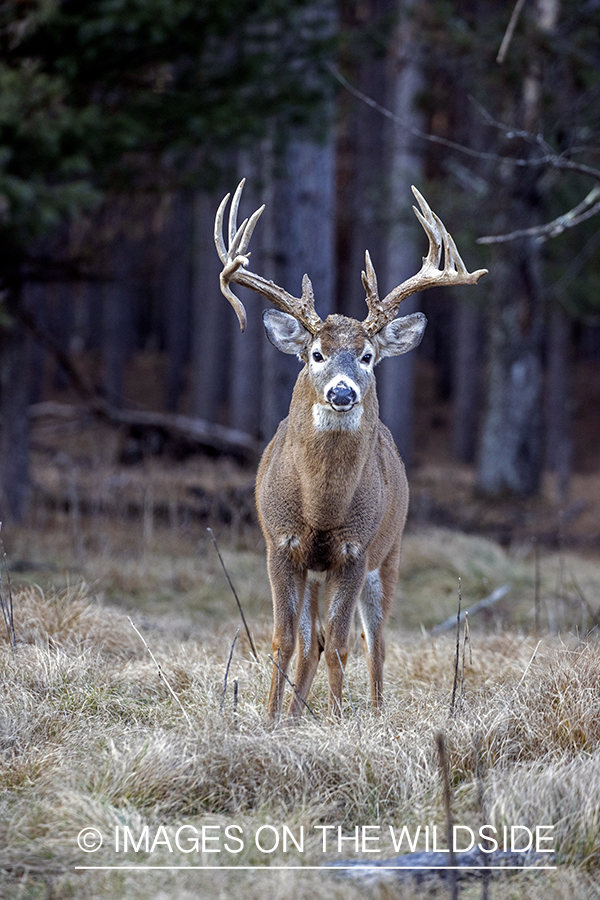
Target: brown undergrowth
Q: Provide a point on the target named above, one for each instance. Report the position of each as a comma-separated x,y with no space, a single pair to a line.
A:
90,736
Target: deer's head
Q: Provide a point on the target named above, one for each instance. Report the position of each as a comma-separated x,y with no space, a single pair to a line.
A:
340,353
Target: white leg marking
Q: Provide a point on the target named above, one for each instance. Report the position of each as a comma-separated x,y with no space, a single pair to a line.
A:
289,542
334,607
350,551
305,623
312,575
370,606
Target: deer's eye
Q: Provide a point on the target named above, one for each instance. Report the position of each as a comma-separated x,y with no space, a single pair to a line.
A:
366,359
318,357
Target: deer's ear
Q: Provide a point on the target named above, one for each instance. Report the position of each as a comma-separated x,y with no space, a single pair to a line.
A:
285,332
400,335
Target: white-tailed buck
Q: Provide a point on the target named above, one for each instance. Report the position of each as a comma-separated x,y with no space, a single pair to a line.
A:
331,490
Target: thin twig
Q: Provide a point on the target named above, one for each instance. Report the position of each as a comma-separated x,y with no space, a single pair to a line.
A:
227,672
584,210
560,575
537,586
445,772
595,615
493,598
457,647
349,694
6,599
235,704
588,207
416,132
469,638
555,160
480,775
296,691
466,640
237,599
529,664
161,674
509,31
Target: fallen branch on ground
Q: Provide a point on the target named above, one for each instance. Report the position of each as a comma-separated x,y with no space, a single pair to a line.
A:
481,604
196,431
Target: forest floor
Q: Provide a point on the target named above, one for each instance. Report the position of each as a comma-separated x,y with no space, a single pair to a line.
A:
93,735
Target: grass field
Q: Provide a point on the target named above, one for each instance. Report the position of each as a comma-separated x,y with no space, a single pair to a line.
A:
93,736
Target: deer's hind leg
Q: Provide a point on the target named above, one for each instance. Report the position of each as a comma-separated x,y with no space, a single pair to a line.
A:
309,648
374,607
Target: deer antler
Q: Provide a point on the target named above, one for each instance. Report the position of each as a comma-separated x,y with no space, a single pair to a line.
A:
235,261
381,312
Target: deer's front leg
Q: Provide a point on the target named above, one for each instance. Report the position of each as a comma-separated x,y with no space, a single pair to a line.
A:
342,594
287,589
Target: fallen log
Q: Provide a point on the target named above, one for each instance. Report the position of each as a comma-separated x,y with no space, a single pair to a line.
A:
450,622
435,866
195,431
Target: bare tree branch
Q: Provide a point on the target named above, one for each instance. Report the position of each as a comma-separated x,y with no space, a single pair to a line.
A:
509,31
416,132
588,207
549,158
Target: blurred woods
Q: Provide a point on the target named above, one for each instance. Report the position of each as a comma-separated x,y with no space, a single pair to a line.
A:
124,122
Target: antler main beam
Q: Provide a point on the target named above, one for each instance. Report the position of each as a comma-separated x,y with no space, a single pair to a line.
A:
454,272
235,259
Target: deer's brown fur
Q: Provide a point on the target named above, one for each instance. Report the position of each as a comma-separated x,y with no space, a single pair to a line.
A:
331,489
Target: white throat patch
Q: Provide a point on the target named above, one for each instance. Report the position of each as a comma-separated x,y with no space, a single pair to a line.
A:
327,419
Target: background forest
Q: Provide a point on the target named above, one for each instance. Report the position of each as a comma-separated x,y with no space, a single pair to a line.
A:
124,122
133,413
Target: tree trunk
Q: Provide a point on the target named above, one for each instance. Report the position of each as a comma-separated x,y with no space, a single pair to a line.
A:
378,164
511,457
61,324
402,256
466,383
245,388
14,424
212,317
361,184
35,301
176,299
300,232
559,448
116,317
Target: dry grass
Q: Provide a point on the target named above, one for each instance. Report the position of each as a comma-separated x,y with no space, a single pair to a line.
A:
90,735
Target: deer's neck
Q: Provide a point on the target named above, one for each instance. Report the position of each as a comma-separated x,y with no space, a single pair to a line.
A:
329,452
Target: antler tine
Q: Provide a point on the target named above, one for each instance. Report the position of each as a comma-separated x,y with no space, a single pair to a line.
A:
219,242
235,205
235,259
454,272
249,229
369,280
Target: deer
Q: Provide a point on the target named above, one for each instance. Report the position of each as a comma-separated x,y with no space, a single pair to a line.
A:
331,488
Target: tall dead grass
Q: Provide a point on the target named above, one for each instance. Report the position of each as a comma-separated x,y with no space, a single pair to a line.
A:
90,735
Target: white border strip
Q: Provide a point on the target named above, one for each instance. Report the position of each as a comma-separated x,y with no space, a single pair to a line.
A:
334,868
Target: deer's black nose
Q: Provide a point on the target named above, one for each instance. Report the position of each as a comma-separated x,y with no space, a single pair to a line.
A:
342,396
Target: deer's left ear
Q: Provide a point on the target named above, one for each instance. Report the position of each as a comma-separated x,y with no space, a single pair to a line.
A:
285,332
400,335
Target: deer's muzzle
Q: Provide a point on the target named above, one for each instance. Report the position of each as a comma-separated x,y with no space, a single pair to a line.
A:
341,396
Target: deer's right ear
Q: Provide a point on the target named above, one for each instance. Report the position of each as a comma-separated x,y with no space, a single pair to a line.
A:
285,332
